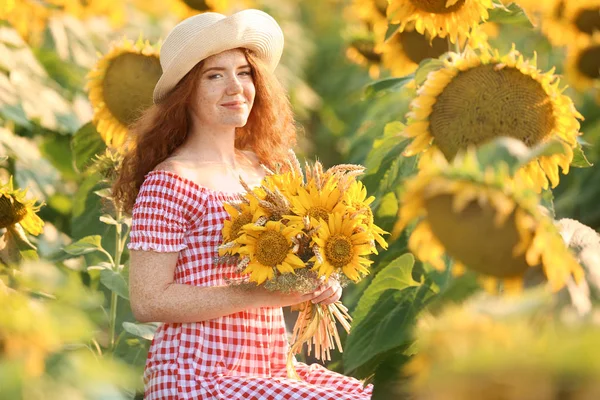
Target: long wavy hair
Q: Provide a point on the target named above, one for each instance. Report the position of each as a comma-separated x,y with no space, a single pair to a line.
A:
270,130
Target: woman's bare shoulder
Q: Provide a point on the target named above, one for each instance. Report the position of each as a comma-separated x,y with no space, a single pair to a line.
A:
206,175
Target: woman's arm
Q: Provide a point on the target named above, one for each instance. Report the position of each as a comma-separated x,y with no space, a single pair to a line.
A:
154,297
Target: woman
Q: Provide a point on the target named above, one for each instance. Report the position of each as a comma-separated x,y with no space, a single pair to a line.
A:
219,113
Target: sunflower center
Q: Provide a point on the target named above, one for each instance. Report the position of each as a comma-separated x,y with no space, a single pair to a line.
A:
128,85
271,248
437,6
199,5
317,212
11,211
338,250
588,21
481,104
472,238
366,48
242,219
589,62
417,47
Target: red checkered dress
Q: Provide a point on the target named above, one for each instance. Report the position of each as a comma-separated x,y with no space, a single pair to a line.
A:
238,356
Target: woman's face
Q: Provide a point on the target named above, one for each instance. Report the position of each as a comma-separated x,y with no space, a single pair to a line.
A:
225,92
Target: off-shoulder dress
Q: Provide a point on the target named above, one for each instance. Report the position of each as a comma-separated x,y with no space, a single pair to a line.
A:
237,356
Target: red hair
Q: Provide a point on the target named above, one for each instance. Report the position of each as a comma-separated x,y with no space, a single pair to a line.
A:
270,131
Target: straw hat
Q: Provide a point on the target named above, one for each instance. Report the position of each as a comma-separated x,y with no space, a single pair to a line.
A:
207,34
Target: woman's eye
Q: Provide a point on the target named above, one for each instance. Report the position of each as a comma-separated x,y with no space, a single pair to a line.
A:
245,73
213,76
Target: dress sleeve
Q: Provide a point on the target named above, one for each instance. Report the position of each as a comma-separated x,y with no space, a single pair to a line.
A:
159,218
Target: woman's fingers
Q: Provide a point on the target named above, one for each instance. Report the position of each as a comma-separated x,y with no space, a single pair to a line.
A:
333,298
328,294
322,294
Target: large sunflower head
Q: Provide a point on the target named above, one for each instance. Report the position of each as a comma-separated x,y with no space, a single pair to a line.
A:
479,96
403,52
269,249
485,221
339,246
583,64
16,209
120,87
443,18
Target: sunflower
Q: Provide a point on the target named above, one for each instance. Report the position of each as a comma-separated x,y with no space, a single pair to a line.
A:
485,350
583,64
373,13
269,249
240,215
287,183
403,52
485,221
30,17
443,18
314,203
478,96
356,198
340,245
570,22
15,209
120,87
27,332
361,51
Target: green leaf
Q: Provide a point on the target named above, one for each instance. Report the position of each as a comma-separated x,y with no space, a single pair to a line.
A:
388,326
104,193
393,128
547,200
512,14
115,282
144,331
100,266
16,247
56,148
396,275
86,143
455,291
386,85
425,67
108,219
15,113
579,158
391,31
514,153
85,245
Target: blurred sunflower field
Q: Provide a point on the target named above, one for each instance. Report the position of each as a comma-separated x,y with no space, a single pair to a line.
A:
478,122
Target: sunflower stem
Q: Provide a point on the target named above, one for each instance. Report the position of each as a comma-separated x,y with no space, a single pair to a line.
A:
114,297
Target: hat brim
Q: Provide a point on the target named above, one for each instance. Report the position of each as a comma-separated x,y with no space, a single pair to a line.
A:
251,29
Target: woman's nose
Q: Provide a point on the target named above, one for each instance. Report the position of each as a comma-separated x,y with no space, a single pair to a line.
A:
234,86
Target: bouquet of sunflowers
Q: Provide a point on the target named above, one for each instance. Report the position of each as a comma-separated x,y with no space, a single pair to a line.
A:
298,229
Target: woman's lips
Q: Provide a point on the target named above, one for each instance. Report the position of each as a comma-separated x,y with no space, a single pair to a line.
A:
233,106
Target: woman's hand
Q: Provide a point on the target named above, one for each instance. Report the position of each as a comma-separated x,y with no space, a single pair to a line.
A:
328,293
262,297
